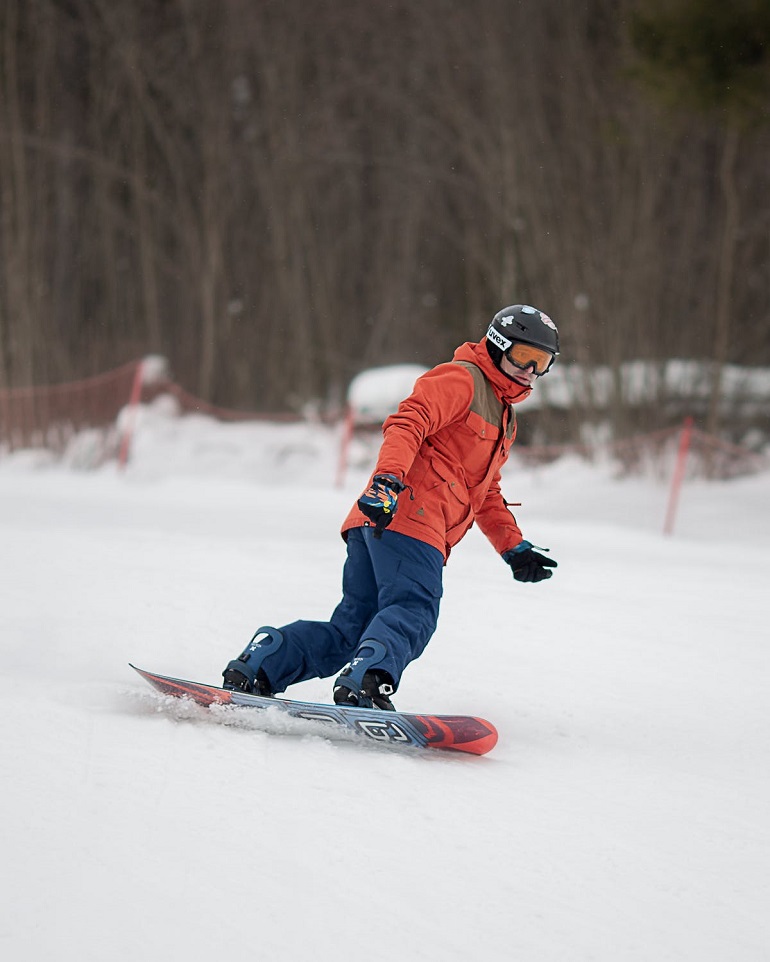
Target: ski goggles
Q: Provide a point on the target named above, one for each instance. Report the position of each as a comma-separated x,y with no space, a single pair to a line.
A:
527,355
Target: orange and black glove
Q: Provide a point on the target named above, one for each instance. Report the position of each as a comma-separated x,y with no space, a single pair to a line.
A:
380,501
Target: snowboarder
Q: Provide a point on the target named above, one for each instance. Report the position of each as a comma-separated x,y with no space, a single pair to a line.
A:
437,472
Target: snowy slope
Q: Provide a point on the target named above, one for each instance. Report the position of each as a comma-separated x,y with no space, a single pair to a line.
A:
622,817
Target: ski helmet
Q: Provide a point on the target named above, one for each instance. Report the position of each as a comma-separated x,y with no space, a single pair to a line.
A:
523,324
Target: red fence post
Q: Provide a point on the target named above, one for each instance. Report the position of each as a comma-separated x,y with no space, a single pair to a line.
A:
685,438
130,416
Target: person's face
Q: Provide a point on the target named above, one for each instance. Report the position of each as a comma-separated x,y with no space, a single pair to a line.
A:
524,376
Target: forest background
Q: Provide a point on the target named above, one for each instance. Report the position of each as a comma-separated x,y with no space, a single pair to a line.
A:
278,194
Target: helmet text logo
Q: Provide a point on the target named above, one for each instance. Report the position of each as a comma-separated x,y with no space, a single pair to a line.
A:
497,338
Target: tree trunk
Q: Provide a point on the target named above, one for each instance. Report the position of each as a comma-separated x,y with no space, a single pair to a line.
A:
725,271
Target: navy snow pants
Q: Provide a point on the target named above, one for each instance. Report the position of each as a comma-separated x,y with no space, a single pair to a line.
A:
391,590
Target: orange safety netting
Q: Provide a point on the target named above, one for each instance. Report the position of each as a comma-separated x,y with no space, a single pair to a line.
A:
49,416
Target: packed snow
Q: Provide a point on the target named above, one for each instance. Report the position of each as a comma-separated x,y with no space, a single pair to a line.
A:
623,816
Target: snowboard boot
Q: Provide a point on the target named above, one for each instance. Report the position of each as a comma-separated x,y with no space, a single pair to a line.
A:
235,680
376,687
361,686
246,673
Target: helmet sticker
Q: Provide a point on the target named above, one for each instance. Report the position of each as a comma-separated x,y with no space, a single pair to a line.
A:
547,321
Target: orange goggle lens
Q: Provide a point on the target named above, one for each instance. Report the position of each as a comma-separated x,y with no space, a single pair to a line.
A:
527,355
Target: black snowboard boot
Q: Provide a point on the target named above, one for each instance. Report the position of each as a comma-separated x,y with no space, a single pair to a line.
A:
376,689
235,680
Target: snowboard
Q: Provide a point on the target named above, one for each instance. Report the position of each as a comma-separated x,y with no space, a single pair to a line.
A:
457,733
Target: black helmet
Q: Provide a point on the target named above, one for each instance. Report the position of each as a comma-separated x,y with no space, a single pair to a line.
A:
524,324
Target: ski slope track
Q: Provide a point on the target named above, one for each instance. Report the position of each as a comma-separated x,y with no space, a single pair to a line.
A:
624,815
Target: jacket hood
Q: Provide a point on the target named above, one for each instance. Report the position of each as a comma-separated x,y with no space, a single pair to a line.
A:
476,353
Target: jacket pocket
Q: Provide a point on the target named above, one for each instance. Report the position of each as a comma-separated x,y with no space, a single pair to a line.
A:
453,500
481,428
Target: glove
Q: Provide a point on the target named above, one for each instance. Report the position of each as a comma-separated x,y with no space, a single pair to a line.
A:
528,565
380,501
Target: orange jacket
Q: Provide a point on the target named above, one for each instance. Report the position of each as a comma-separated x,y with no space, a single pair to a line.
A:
448,441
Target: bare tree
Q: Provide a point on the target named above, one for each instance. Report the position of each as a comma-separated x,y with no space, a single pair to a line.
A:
277,194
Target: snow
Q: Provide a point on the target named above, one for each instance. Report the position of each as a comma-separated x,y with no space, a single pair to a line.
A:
745,389
623,816
375,393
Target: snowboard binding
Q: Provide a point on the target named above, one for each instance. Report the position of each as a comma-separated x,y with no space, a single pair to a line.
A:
362,686
245,673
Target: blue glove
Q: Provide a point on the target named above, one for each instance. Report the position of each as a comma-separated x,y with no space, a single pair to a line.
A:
528,565
380,501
